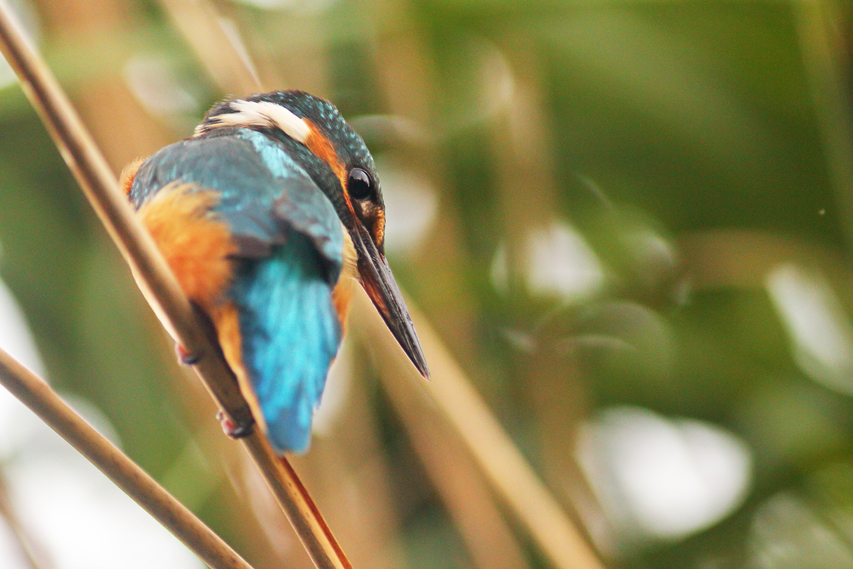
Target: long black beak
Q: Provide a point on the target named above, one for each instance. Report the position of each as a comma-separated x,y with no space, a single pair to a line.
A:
379,283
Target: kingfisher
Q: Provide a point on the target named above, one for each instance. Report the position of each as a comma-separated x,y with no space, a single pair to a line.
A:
266,215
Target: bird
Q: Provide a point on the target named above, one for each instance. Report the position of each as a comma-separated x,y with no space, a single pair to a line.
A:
266,215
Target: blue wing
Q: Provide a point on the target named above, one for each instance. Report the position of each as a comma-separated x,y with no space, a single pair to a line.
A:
290,332
290,245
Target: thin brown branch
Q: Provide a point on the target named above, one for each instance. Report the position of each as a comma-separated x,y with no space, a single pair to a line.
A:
158,283
297,504
36,394
502,464
99,184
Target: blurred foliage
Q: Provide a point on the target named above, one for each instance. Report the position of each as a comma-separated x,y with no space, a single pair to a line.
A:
694,147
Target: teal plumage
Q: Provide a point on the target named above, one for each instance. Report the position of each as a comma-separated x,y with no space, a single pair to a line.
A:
278,194
290,333
290,253
267,189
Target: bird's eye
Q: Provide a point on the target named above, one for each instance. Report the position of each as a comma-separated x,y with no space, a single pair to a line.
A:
359,185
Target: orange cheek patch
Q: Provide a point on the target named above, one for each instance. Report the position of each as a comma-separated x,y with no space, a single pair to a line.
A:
196,246
379,228
322,147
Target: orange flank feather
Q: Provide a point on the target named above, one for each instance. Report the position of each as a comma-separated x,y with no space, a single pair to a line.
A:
196,245
128,174
227,322
199,249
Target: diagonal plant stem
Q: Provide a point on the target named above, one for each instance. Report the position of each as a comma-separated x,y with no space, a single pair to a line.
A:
36,394
159,285
455,477
501,463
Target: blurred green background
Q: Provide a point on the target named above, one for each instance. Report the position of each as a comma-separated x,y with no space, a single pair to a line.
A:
629,222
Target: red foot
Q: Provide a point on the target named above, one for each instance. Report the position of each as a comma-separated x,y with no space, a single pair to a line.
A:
185,357
234,430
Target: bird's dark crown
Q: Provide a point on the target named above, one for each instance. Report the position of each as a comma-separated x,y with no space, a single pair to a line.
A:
315,134
321,113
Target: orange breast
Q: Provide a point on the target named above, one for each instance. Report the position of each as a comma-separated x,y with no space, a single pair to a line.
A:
342,293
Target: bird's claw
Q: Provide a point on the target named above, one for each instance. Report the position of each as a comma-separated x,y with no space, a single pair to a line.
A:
235,430
185,357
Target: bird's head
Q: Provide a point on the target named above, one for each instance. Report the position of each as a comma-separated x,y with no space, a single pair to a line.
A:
316,136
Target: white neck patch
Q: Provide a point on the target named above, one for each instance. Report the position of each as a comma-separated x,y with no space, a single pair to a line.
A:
260,113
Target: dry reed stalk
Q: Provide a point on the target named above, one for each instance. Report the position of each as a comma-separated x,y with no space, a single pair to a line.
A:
36,394
500,461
